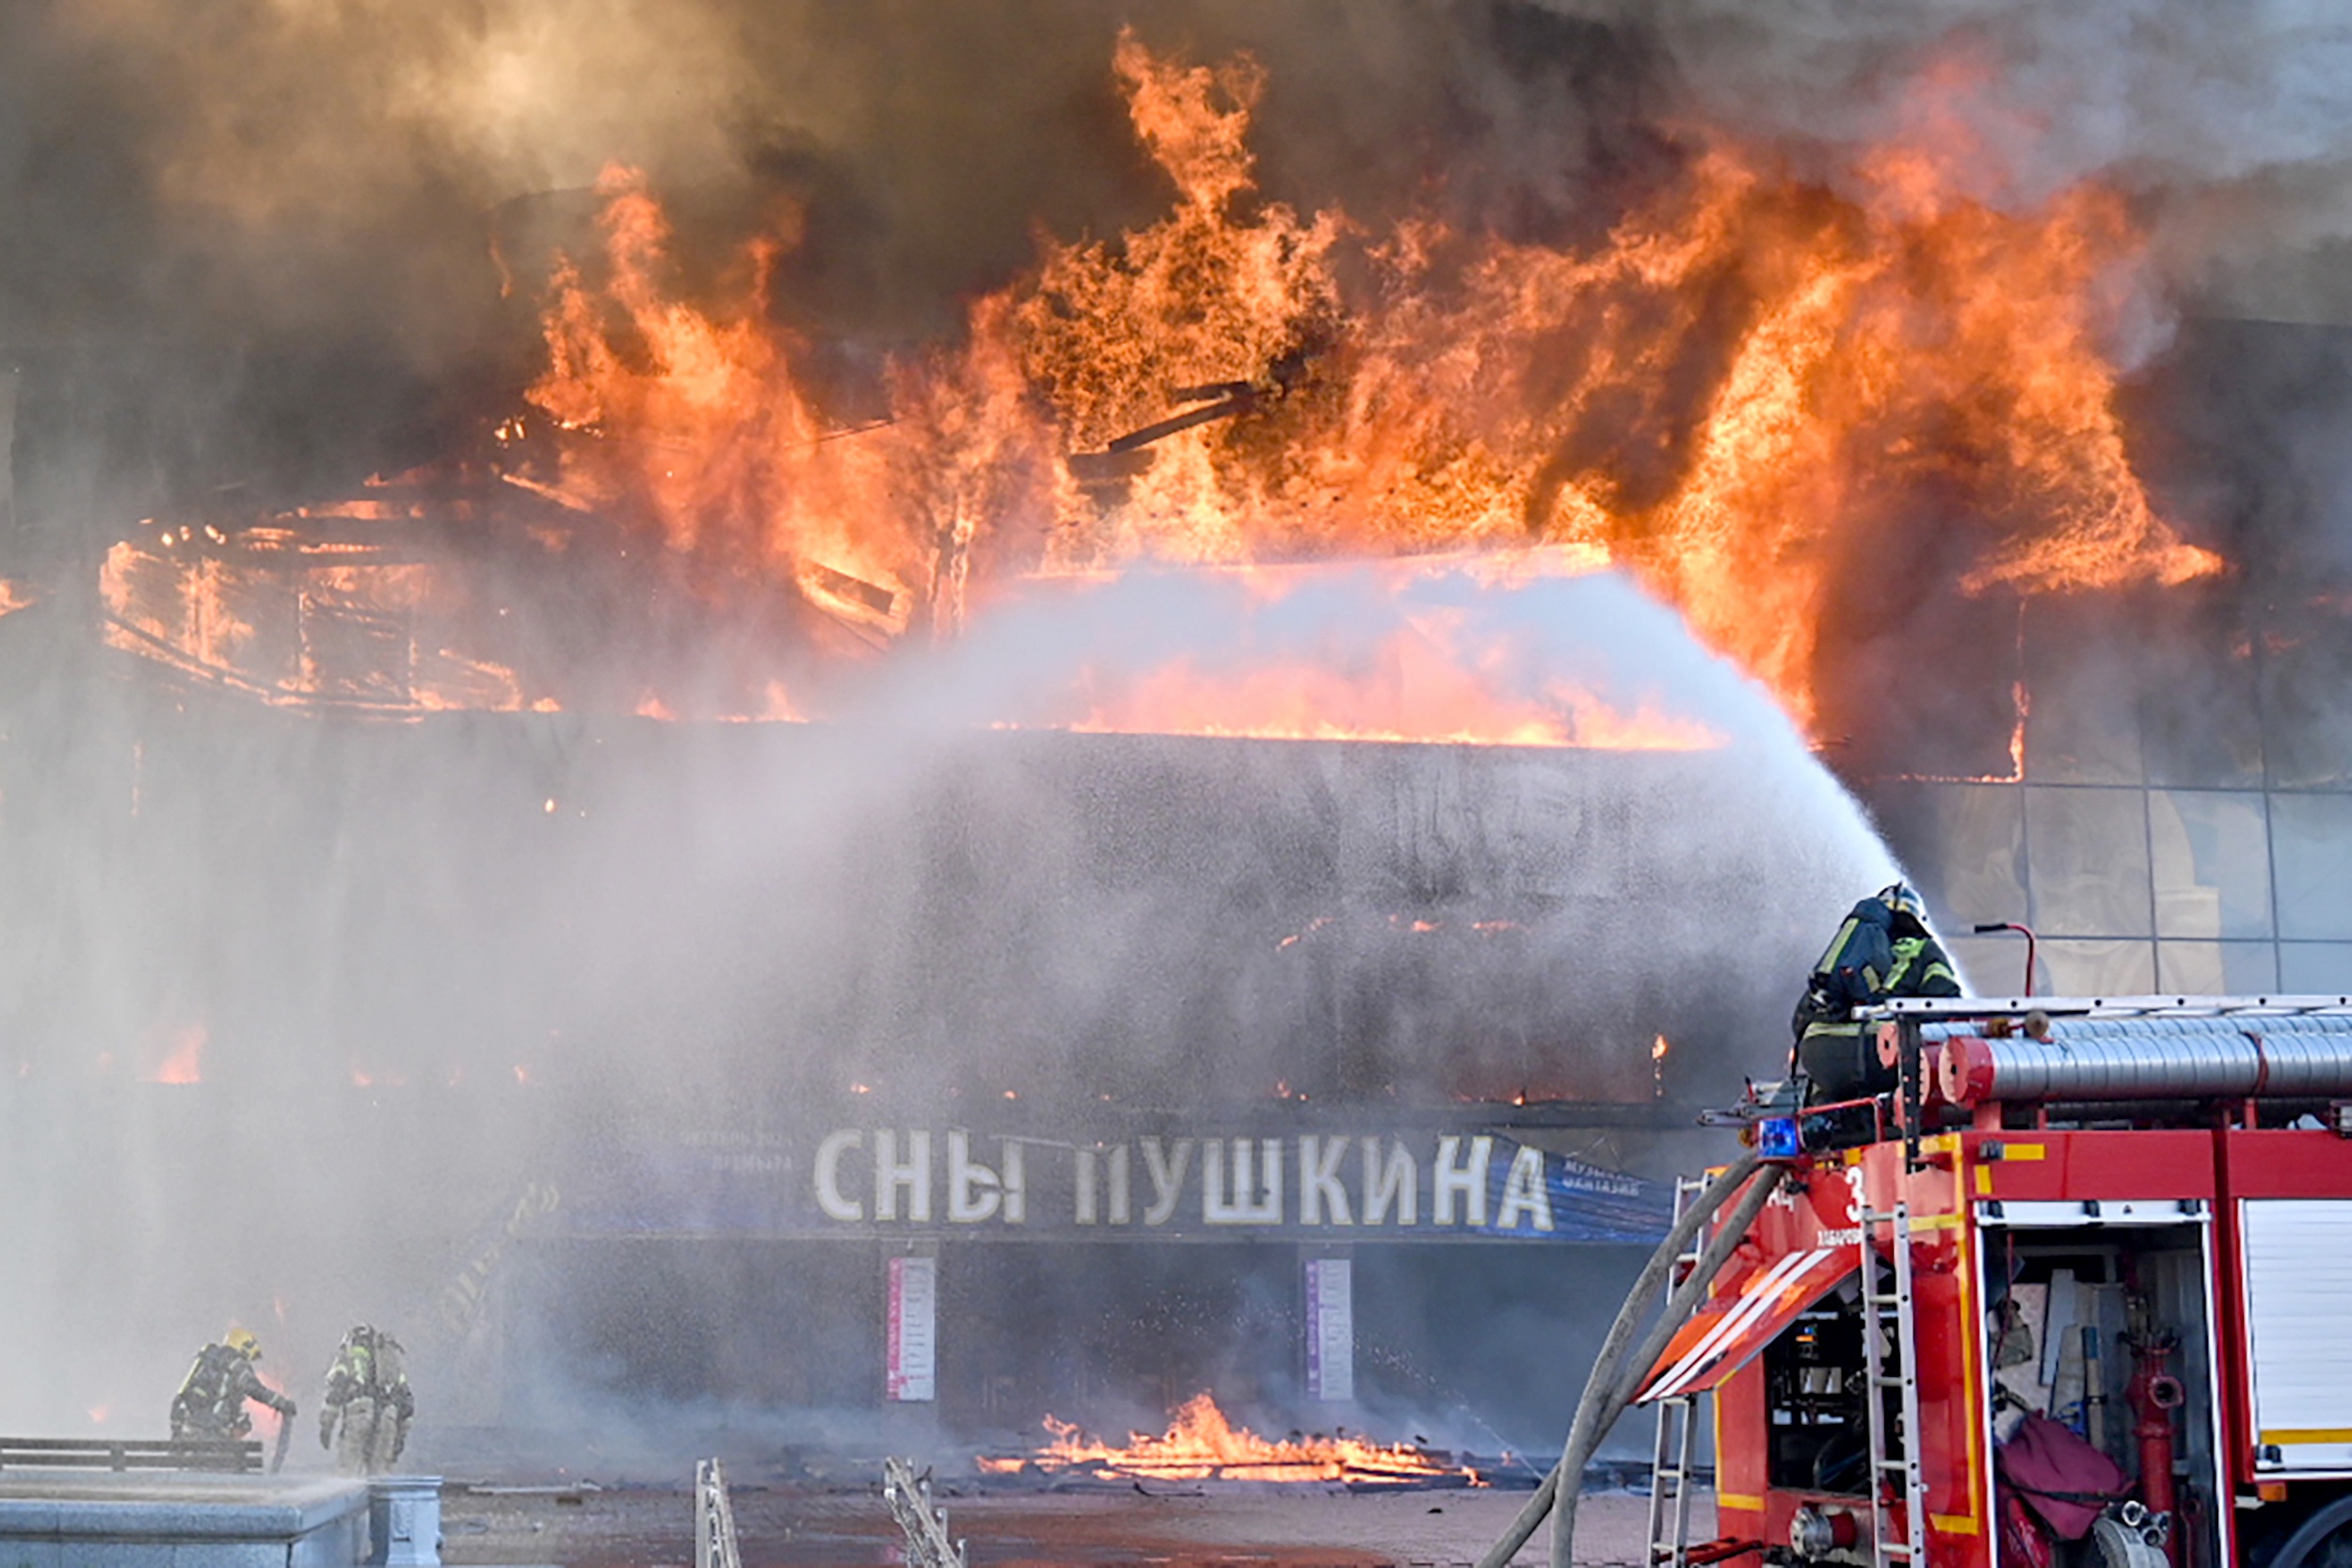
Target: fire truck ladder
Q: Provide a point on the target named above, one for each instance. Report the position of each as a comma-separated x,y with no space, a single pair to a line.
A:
1877,1308
1677,1421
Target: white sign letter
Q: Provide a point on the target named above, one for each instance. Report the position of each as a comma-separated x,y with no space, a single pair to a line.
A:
1016,1181
1167,1177
972,1195
828,1173
1398,1182
1448,1181
914,1176
1318,1181
1524,1192
1242,1208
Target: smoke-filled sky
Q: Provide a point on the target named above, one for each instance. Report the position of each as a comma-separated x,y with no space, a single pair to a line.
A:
262,225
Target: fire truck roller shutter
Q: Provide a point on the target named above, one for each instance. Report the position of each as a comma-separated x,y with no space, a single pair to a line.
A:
2148,1058
1730,1331
2298,1276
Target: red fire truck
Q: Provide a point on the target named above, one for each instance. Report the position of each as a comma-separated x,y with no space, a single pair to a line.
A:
2077,1292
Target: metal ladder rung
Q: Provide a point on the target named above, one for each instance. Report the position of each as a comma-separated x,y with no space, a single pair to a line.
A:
1677,1422
1879,1336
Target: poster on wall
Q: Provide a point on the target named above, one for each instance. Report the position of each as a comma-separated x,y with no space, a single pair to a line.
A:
1330,1330
911,1356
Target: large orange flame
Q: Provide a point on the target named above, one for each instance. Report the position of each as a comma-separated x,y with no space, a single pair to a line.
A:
1730,394
1744,393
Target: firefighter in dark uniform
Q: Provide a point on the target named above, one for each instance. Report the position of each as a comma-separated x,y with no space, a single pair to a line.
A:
368,1398
1882,949
210,1403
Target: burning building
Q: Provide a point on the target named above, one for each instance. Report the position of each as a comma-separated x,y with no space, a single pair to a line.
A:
1288,720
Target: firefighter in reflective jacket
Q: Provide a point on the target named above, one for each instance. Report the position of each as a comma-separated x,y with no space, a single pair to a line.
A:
367,1396
210,1403
1882,949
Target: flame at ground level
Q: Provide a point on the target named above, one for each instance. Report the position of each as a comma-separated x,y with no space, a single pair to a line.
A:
1202,1444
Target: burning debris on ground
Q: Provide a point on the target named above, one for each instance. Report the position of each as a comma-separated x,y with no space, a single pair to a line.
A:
1202,1445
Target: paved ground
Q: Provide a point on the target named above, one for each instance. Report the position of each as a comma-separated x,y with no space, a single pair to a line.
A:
809,1529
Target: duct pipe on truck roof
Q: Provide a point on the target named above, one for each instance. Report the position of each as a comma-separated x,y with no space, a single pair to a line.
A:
2241,1057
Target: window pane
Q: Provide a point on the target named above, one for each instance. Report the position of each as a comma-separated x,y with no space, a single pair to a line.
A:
2200,714
2086,857
1961,844
2218,969
2212,862
2081,968
1990,965
2315,968
2311,855
2306,700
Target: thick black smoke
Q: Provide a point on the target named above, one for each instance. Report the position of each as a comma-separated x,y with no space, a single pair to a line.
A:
251,236
250,242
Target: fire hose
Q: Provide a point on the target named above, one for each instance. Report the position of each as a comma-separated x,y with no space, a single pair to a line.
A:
1617,1376
2154,1395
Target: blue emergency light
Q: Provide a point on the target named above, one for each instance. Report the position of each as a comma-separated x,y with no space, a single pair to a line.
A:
1777,1138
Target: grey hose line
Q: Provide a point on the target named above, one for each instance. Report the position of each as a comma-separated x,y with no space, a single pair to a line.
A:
1692,1293
1603,1376
1688,1295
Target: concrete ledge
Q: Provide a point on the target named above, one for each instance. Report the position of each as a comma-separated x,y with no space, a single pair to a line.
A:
181,1521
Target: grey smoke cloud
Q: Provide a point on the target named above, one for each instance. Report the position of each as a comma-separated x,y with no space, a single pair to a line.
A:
2151,89
2231,122
246,160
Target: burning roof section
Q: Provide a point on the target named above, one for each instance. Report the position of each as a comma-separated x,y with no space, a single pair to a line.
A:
1747,394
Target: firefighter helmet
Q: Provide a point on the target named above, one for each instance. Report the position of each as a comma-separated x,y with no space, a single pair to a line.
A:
1900,899
242,1341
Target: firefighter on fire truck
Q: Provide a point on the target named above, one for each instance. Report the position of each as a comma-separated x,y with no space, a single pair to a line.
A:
1884,949
211,1400
2069,1291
